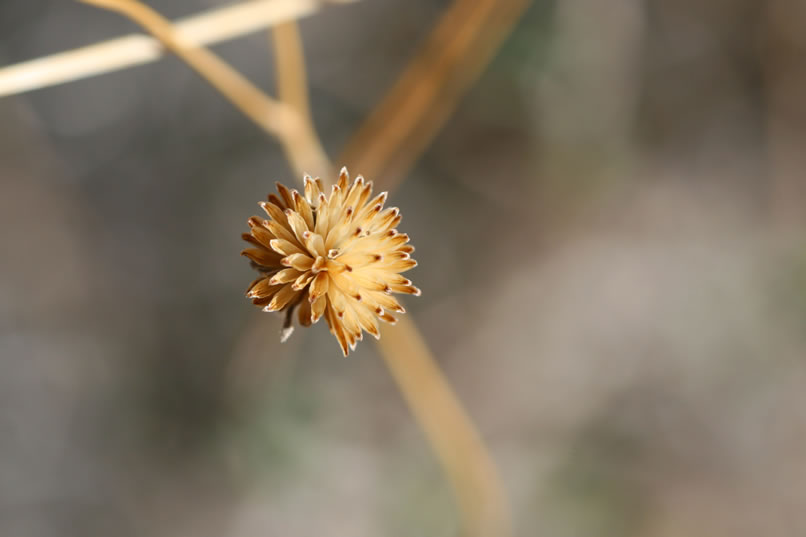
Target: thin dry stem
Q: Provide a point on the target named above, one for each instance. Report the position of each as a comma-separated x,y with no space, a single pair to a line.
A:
300,144
425,95
452,435
207,28
289,58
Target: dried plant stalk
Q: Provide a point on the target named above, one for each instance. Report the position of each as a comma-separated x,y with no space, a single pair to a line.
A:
207,28
289,58
425,95
303,149
452,435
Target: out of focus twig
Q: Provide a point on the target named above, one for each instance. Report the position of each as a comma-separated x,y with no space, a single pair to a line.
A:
452,435
784,86
301,146
289,58
206,28
425,95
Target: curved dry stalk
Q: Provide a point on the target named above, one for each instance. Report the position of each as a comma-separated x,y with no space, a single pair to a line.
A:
450,432
289,58
301,146
414,110
206,28
453,437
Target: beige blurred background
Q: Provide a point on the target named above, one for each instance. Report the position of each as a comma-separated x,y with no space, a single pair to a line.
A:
610,230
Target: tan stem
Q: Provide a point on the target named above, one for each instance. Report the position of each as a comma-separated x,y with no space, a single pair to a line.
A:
302,148
453,437
289,59
207,28
413,111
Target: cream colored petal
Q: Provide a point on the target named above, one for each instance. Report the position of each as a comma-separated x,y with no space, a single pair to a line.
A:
360,259
304,209
393,239
386,317
366,280
365,195
277,201
284,276
365,217
367,320
263,236
262,256
337,329
386,220
401,265
283,297
311,191
282,232
253,284
285,194
322,216
274,212
262,288
384,300
354,193
346,284
351,325
344,179
335,206
297,224
284,247
319,286
318,308
301,262
319,264
248,237
303,281
314,243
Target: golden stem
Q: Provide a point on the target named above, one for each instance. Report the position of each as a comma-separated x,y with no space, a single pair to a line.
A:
413,111
213,26
289,58
453,437
300,144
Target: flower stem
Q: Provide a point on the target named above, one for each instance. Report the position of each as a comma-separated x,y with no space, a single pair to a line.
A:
449,430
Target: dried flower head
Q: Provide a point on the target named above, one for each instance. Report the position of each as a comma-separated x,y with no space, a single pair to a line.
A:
336,256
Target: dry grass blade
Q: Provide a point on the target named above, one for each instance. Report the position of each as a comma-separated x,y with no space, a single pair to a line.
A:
425,95
206,28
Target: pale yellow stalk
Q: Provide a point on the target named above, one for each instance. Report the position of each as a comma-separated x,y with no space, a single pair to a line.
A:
213,26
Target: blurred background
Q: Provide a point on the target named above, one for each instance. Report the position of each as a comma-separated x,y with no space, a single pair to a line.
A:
610,230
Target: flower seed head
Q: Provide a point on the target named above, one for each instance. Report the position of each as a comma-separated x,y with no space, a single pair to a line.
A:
335,256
